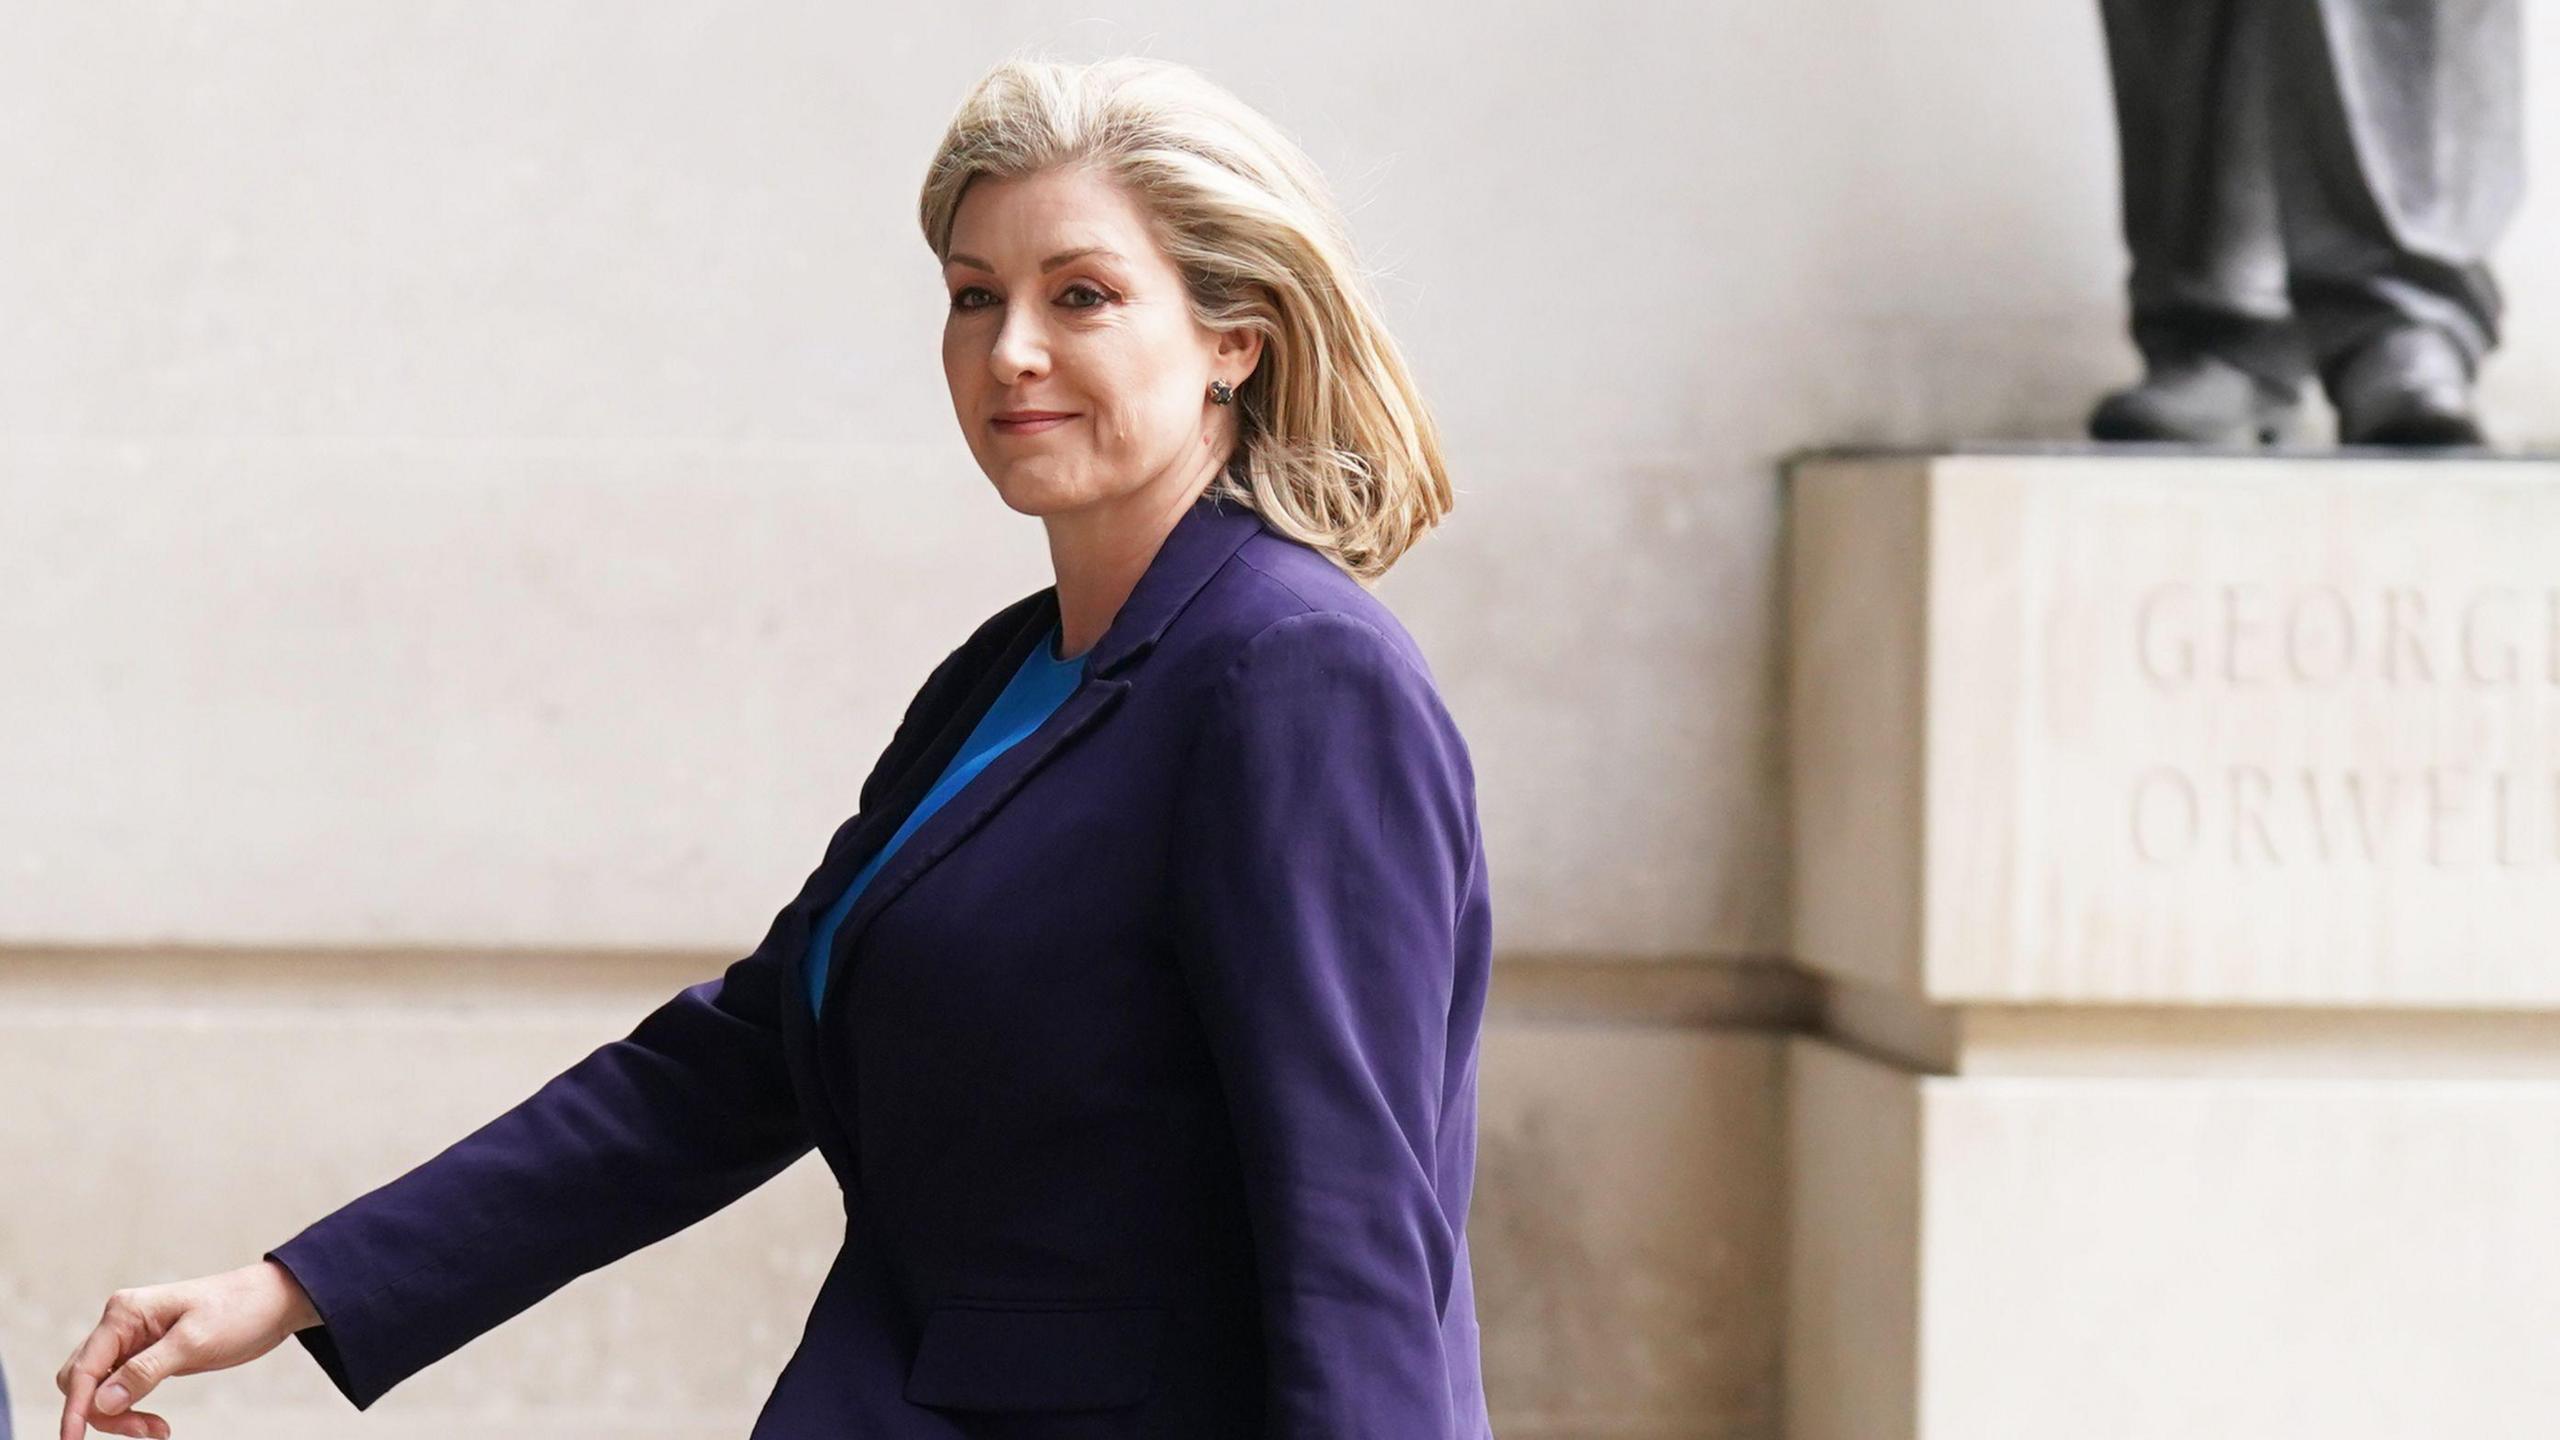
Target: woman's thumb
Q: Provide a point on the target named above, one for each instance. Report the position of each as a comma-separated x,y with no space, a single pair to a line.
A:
134,1378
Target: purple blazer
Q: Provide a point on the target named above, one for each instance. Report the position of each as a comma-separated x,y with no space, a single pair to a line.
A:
1147,1065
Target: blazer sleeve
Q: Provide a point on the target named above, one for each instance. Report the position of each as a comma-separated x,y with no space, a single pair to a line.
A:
645,1136
1325,831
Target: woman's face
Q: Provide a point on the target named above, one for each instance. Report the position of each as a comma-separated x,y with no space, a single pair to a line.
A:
1061,302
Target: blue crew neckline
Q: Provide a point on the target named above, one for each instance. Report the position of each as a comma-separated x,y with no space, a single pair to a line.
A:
1040,684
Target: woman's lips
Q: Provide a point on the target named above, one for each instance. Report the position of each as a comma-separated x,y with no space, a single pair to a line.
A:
1031,427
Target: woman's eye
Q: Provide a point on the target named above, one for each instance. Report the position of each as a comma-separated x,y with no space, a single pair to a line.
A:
960,298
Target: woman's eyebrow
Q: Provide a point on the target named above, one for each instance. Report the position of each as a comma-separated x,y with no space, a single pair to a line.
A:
1052,263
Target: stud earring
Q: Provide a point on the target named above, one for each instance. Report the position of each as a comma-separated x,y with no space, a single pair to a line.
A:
1221,393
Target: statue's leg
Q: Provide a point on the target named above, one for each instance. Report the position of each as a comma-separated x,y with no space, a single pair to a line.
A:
2399,137
2198,195
2222,358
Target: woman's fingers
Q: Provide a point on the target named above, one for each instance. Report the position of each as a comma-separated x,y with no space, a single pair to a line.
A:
140,1424
80,1374
136,1377
99,1391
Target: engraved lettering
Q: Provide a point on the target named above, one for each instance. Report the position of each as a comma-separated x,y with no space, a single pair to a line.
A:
2356,807
2506,655
2175,667
2185,823
2354,778
2240,633
2440,810
2347,817
2250,789
2298,651
2318,636
2502,805
2404,617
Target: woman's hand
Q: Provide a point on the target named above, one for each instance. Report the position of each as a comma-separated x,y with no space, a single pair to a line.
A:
156,1331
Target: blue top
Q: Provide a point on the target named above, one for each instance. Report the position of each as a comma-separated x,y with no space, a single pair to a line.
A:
1038,687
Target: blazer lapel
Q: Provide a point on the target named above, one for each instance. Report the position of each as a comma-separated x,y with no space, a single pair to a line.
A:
1199,543
946,724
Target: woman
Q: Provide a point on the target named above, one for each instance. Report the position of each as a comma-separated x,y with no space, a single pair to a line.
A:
1136,1008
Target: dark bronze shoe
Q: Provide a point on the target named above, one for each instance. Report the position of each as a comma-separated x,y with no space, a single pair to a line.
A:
2409,385
2199,399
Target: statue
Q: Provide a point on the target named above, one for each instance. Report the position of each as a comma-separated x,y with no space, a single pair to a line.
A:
2312,187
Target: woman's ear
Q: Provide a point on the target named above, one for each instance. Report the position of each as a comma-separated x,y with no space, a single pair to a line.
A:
1239,353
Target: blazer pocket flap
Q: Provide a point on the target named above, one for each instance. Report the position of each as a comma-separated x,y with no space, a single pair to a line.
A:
1000,1356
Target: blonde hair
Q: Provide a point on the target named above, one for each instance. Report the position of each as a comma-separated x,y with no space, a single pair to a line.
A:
1334,446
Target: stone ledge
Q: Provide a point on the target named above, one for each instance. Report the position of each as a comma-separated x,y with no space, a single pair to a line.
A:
42,986
38,982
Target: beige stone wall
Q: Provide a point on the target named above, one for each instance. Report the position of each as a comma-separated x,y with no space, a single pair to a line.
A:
523,440
178,1113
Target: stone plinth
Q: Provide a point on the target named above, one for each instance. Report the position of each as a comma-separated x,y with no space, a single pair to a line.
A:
2177,837
2178,729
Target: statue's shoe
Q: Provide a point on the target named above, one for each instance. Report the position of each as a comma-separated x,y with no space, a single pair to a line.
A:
2409,385
2200,399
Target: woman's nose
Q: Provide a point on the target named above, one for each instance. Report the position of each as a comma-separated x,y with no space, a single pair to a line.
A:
1021,347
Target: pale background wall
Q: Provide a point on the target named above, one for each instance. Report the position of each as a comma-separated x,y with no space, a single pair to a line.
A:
420,390
477,479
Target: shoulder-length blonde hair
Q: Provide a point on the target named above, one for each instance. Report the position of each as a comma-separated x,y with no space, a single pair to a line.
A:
1335,447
